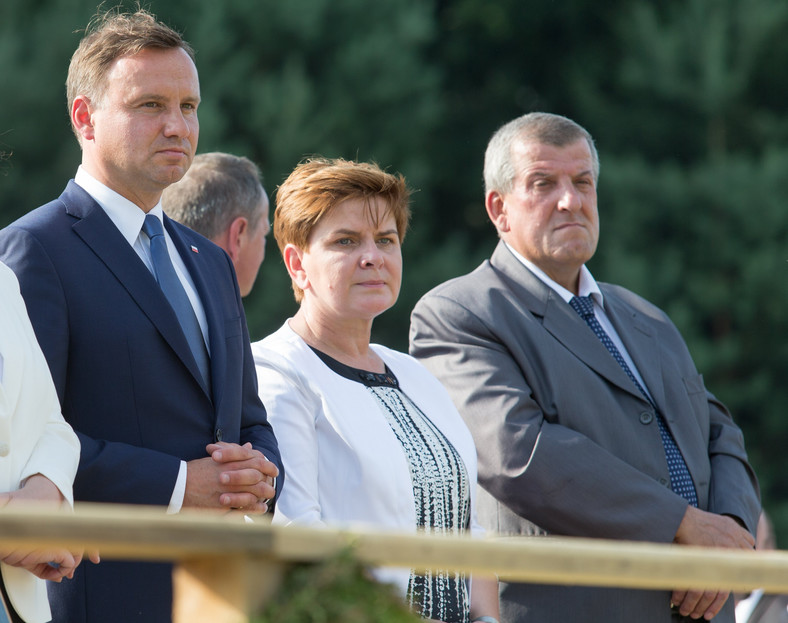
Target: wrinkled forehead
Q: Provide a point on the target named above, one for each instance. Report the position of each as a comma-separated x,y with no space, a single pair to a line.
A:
529,154
166,66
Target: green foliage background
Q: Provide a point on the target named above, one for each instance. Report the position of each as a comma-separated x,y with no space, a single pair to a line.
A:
686,99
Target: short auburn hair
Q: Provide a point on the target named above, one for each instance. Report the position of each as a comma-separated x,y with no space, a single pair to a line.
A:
318,184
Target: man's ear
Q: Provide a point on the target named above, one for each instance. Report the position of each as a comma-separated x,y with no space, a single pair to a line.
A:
497,210
236,233
293,258
82,118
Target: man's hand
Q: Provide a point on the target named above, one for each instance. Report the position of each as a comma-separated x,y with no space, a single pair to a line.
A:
707,530
232,477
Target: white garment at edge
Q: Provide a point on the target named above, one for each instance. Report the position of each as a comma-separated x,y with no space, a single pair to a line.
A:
34,437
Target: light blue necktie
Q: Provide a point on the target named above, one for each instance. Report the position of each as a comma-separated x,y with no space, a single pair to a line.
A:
173,290
680,479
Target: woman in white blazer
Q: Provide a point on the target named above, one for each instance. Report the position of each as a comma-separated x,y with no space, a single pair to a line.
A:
368,436
39,454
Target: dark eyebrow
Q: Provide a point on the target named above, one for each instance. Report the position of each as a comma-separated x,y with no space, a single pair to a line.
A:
155,97
151,96
350,232
540,173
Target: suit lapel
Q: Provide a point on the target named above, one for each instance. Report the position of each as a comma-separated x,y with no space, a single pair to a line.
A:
98,232
193,259
641,344
560,320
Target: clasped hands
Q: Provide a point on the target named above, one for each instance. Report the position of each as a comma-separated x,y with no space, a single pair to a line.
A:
232,478
706,529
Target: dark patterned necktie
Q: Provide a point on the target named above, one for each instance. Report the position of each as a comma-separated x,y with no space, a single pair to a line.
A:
680,479
173,290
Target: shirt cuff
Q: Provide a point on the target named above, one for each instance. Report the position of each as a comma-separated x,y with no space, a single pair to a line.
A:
178,493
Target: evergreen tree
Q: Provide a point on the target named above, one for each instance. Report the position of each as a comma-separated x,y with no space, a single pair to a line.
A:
690,202
685,98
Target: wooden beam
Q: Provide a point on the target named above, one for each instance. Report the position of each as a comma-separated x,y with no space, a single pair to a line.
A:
139,533
225,589
552,560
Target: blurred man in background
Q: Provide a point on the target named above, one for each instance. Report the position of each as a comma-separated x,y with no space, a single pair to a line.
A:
221,197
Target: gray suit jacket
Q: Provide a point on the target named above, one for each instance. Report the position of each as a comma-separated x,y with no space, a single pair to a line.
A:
567,445
764,608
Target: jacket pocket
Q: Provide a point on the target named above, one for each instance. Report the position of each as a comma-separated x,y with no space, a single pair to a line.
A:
232,327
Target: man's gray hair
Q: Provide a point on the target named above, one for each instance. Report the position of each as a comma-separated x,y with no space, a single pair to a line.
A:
217,189
546,128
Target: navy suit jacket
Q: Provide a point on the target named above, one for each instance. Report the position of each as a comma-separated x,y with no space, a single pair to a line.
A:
126,379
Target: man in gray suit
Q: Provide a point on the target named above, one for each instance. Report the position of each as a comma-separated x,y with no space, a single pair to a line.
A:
760,607
589,415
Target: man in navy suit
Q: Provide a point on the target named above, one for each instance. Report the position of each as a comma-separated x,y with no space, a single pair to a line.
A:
166,409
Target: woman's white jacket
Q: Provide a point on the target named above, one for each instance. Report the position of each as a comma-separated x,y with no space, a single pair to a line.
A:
34,437
343,464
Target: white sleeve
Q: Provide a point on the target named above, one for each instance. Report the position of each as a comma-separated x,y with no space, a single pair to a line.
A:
55,453
292,409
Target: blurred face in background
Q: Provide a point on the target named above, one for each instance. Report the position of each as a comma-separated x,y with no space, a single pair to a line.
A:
251,249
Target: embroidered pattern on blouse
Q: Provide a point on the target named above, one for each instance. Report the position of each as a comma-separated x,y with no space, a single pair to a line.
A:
442,499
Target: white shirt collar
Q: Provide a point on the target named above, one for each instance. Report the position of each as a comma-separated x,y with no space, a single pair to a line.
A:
127,216
587,285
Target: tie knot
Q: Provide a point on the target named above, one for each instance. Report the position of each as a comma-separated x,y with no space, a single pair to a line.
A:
583,305
152,226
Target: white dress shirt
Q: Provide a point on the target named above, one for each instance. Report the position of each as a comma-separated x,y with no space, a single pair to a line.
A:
587,286
128,217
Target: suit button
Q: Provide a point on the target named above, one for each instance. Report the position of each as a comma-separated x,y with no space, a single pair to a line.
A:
4,449
664,482
646,417
218,435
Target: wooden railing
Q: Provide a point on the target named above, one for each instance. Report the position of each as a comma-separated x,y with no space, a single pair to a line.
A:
226,568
